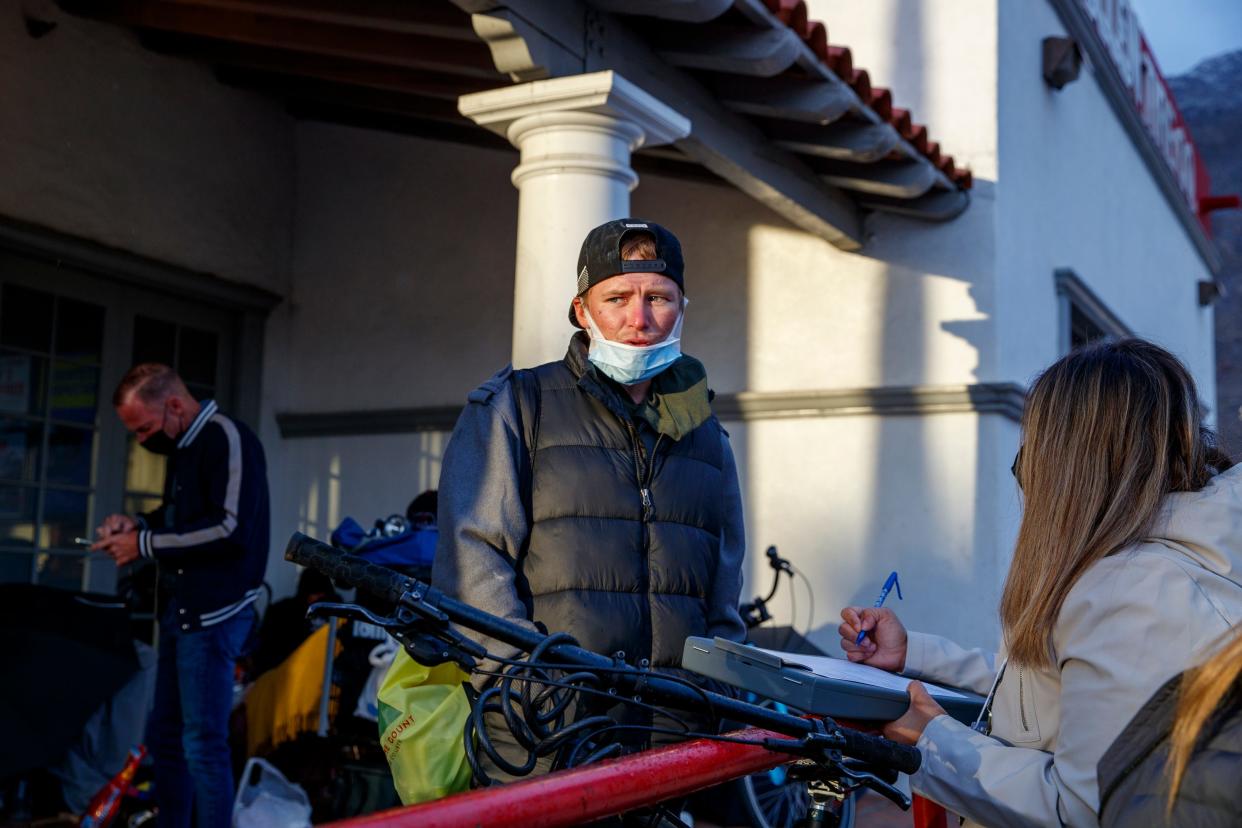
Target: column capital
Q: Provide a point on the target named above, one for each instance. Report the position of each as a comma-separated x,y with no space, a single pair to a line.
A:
599,93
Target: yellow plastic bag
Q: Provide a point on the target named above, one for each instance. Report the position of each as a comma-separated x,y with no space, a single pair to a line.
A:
422,712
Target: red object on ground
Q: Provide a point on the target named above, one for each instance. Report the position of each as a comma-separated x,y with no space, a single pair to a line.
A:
105,805
615,786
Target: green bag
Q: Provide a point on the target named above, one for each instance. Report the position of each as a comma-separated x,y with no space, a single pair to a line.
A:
422,713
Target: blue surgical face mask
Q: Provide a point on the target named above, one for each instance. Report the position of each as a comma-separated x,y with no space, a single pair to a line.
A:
632,364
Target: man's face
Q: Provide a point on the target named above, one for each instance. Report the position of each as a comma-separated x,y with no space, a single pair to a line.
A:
144,419
634,308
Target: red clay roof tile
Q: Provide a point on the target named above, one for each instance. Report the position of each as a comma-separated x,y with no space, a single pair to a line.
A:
839,59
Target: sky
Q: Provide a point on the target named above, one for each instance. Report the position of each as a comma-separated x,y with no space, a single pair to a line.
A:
1183,32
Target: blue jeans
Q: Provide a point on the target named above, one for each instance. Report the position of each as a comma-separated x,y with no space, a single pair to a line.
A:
189,728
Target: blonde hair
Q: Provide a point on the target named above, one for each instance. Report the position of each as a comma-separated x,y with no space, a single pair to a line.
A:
1108,431
1202,691
639,246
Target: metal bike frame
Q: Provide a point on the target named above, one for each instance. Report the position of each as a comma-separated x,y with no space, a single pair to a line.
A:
611,787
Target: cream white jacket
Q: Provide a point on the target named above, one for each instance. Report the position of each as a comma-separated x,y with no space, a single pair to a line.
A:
1131,622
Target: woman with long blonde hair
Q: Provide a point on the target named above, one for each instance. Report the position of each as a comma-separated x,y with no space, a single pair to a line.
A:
1127,567
1179,761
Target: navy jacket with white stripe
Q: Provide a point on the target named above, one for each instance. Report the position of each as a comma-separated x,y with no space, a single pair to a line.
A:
210,535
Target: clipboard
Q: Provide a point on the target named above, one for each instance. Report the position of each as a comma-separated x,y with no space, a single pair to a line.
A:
767,674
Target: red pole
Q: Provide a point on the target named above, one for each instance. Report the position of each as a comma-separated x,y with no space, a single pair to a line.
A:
572,797
607,788
928,814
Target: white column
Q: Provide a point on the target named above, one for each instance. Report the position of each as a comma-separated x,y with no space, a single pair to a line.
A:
575,135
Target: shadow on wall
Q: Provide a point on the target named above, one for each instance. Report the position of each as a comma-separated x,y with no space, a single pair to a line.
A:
364,477
849,498
926,507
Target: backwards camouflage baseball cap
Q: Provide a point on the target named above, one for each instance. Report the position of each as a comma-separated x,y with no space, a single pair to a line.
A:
600,257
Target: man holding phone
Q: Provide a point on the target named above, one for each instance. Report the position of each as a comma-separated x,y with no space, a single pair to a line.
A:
210,537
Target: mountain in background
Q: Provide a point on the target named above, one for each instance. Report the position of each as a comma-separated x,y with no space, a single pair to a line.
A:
1209,99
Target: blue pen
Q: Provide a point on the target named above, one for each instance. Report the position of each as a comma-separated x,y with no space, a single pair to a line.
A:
889,583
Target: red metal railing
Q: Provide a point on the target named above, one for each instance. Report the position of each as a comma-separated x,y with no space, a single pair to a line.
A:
607,788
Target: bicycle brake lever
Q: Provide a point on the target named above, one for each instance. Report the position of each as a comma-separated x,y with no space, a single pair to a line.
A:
858,774
428,647
324,609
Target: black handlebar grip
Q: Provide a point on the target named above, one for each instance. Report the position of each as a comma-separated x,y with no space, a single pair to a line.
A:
876,750
347,570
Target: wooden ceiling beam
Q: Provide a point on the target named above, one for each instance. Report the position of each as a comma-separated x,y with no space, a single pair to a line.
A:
897,179
845,140
296,35
433,18
308,91
808,101
936,205
716,48
346,71
685,11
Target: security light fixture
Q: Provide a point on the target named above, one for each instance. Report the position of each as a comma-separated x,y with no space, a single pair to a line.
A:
1062,60
1209,291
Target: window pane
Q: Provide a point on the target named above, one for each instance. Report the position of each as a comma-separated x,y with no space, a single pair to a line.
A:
17,515
196,360
23,382
144,470
20,444
15,567
70,455
63,571
26,318
65,517
79,331
154,341
1083,329
75,392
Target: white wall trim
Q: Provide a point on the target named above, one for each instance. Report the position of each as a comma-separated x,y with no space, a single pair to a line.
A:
1003,398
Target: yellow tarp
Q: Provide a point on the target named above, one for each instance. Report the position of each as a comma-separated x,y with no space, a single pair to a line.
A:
284,701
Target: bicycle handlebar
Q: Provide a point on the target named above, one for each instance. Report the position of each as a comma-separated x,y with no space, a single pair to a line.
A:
353,571
347,569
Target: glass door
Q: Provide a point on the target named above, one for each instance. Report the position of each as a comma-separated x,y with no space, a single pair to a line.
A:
51,348
66,339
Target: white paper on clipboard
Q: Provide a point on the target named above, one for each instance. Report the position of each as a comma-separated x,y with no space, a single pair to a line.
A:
842,670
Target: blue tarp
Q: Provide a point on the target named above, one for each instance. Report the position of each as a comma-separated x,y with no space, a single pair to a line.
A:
413,547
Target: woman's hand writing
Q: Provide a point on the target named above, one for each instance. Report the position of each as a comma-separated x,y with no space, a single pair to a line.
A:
884,646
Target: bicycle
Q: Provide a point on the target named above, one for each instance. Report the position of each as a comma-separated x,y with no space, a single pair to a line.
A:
535,692
781,797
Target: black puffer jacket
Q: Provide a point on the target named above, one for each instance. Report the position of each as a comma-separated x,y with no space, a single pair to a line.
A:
625,537
542,515
1133,783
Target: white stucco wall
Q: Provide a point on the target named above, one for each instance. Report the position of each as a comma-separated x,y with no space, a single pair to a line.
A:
1074,192
939,60
849,499
402,297
107,141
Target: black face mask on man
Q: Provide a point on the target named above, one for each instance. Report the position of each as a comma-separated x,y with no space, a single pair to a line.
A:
158,442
